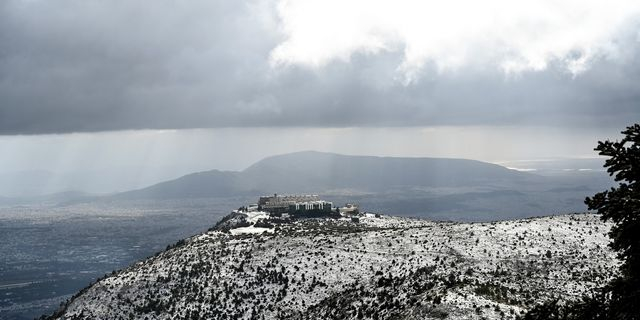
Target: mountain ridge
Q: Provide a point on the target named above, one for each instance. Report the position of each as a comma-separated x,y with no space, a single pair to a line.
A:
319,171
380,267
437,188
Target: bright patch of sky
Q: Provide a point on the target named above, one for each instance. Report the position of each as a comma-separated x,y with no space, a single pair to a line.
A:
514,36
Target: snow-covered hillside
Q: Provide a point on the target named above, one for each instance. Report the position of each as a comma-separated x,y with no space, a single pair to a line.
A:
375,268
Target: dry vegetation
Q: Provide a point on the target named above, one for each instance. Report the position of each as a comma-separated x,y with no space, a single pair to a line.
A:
377,268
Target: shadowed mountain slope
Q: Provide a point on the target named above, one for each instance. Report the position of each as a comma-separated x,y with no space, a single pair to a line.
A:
320,172
443,189
205,184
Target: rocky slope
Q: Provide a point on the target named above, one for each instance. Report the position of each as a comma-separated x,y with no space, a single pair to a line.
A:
379,267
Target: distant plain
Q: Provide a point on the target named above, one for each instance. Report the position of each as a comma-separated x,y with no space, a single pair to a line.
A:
50,252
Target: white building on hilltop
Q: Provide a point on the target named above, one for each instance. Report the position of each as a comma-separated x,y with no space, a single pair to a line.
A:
280,203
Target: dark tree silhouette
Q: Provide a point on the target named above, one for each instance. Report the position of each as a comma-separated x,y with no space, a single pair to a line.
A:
621,205
620,299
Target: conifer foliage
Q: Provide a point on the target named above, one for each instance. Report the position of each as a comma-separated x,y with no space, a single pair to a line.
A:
621,205
620,299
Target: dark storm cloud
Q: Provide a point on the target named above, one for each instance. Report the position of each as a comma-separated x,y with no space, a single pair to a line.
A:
96,65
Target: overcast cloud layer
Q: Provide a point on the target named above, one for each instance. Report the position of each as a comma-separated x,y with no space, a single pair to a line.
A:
78,65
514,36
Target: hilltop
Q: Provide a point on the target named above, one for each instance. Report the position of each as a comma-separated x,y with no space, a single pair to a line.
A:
371,267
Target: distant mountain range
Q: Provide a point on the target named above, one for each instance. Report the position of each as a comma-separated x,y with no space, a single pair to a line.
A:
439,188
320,172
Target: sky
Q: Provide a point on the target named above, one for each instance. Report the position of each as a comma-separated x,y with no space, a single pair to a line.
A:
155,89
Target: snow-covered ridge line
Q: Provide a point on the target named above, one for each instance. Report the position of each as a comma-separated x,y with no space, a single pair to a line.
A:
373,267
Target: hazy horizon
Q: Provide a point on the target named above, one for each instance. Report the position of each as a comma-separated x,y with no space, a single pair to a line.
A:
103,163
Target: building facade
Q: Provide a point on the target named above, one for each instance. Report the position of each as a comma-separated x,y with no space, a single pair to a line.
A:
294,204
311,208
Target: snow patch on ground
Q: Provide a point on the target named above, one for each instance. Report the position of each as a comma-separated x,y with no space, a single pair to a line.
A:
255,216
393,267
250,229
